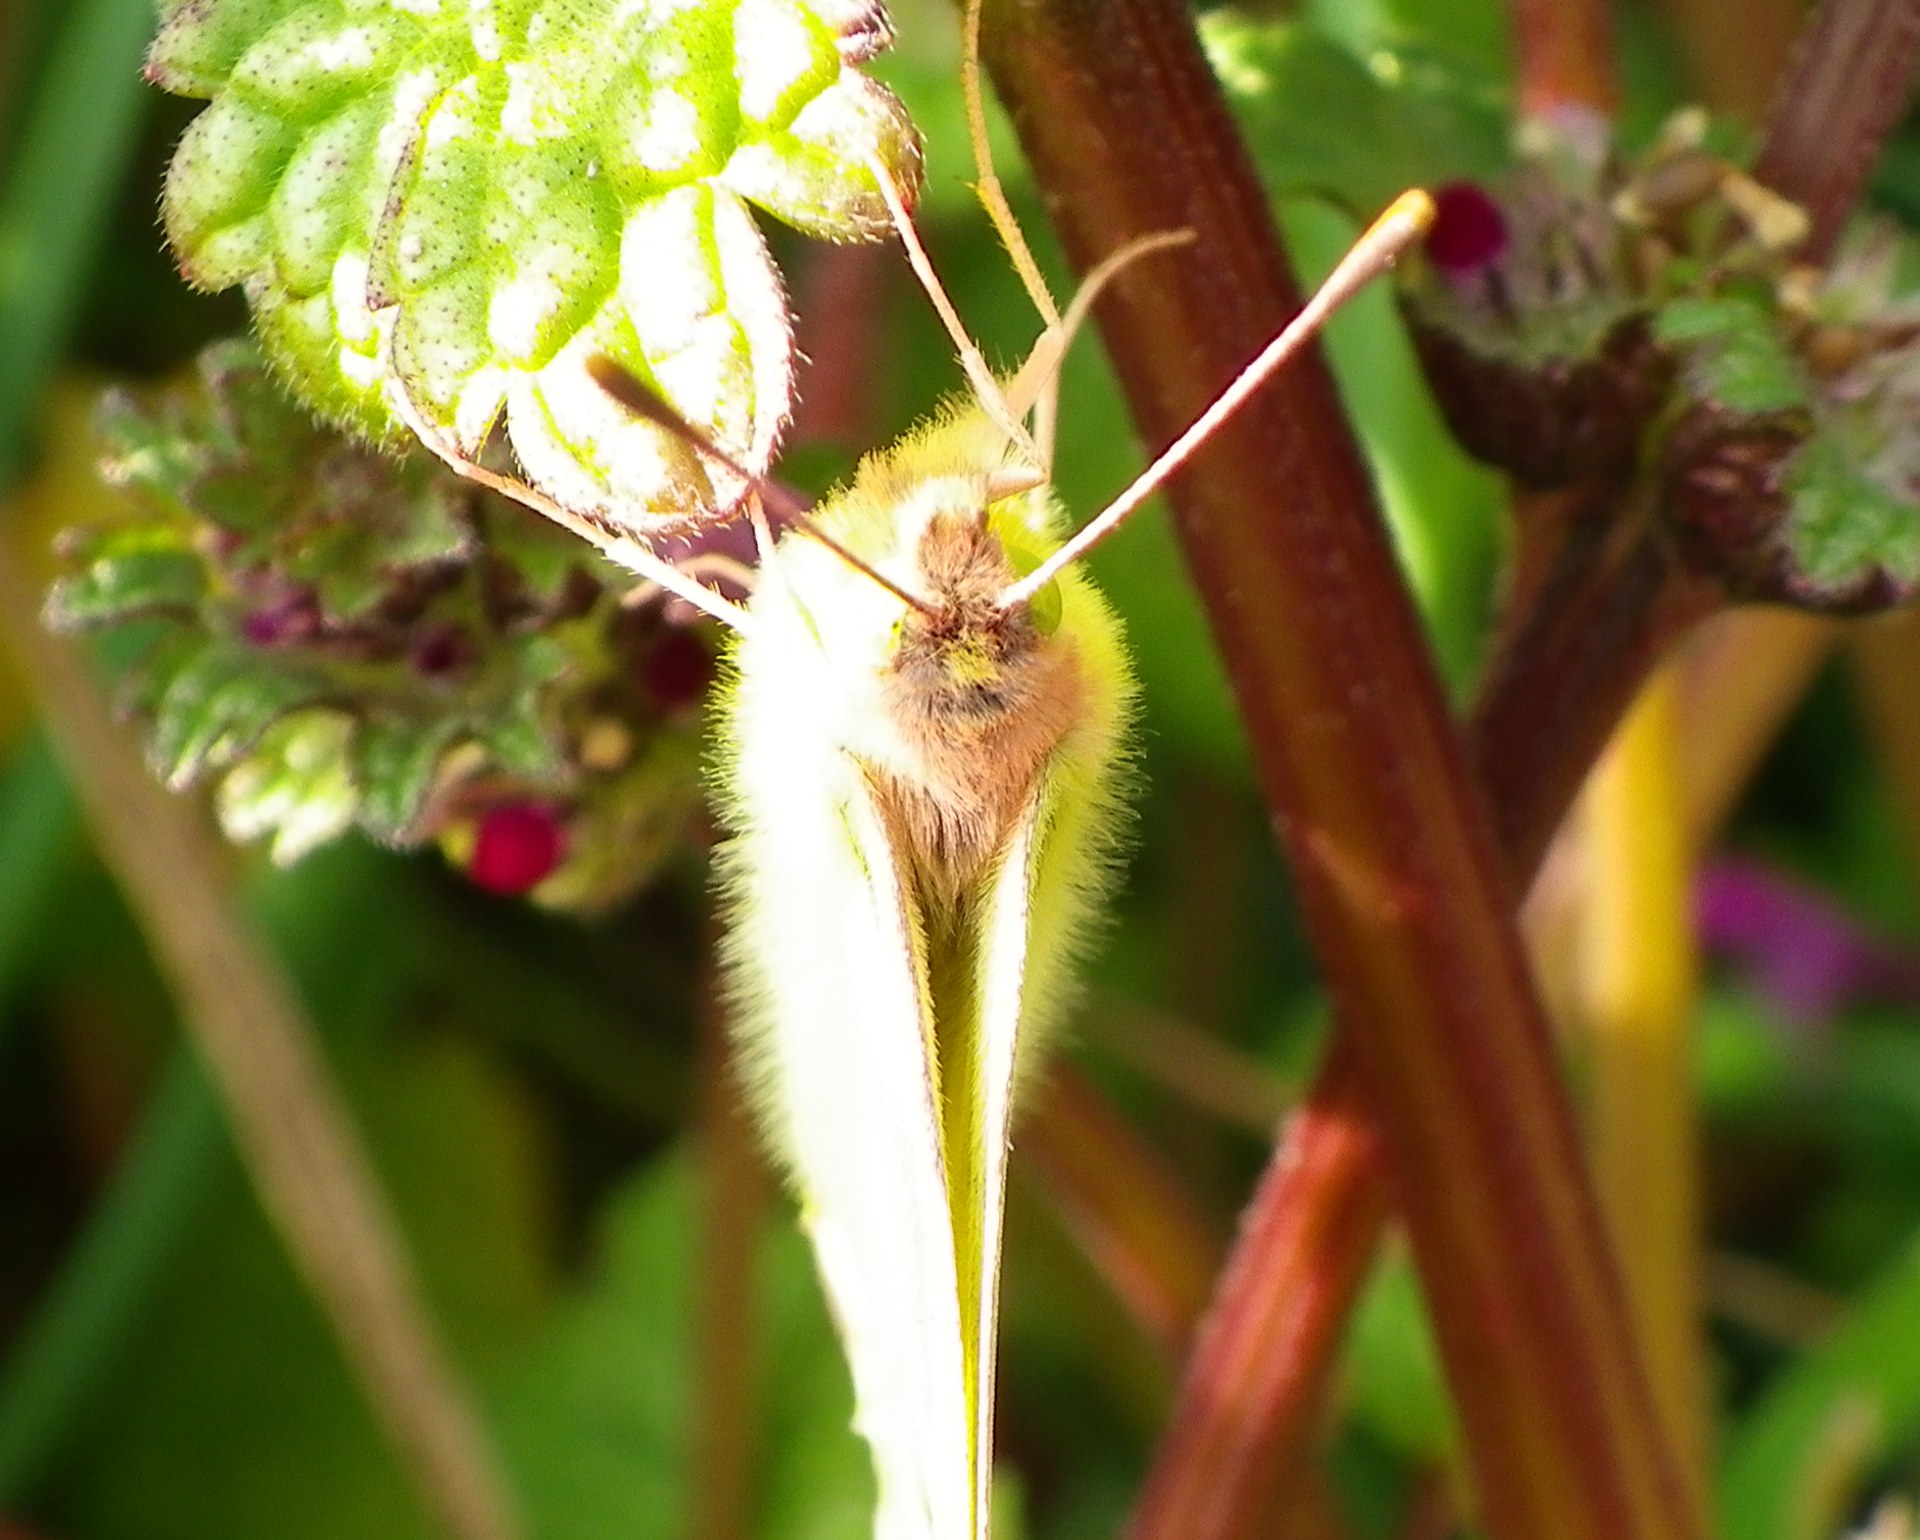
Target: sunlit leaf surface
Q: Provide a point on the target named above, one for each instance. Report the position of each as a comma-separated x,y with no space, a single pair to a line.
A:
457,206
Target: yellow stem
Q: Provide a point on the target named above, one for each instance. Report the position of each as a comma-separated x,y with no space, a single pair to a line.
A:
1745,673
1638,981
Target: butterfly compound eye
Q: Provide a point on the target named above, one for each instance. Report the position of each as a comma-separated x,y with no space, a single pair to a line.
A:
1043,608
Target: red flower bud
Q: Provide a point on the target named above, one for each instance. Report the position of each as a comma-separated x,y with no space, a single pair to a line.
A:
1469,231
518,846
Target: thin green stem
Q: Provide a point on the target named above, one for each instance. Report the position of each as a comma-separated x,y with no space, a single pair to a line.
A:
71,156
57,1362
300,1148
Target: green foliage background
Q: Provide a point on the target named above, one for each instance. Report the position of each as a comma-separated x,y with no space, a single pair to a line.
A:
526,1083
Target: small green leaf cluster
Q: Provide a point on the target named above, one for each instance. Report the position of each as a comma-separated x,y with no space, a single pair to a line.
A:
1735,354
1587,319
1793,468
441,212
334,638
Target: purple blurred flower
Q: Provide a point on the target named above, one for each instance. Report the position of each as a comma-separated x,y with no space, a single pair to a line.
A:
1806,953
286,619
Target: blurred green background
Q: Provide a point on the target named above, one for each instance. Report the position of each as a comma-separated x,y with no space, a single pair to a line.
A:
538,1092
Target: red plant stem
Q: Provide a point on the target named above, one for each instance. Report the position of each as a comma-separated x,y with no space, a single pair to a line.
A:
1129,1213
1848,85
1570,668
1253,1384
1250,1394
1397,872
1238,1434
1565,56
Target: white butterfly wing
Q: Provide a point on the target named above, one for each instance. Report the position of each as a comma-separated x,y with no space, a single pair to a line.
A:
1003,961
895,1125
831,991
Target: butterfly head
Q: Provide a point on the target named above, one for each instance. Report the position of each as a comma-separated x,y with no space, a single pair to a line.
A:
962,656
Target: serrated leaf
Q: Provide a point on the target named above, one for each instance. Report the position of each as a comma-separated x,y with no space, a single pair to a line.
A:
462,206
121,588
381,521
140,577
171,654
1844,524
1734,353
218,705
394,763
295,783
520,742
246,499
346,621
140,453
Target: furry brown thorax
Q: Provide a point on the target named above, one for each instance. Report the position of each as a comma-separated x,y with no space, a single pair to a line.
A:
980,696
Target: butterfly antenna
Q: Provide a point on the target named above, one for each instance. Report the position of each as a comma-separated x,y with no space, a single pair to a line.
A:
993,197
972,361
1035,387
617,546
649,406
1404,222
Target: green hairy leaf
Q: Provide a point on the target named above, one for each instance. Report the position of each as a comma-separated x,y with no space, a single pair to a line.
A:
1846,522
1812,397
1735,354
444,210
341,638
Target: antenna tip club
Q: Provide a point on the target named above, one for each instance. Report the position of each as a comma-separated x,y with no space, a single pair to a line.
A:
1411,214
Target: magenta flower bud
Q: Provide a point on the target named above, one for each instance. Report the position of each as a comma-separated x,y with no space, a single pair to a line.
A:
295,618
443,651
1806,953
1469,231
517,847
